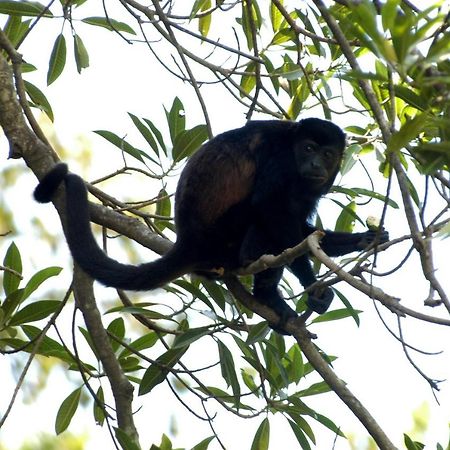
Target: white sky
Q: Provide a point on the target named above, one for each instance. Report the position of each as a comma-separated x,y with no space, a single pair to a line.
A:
123,78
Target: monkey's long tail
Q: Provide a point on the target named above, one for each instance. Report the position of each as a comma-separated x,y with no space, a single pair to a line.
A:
90,256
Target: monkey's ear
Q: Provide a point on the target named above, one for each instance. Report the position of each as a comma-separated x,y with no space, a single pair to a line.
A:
46,188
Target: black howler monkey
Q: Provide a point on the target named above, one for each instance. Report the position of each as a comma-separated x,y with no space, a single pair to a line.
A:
245,193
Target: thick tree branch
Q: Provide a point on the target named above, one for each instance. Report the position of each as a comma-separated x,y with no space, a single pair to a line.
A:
40,157
121,387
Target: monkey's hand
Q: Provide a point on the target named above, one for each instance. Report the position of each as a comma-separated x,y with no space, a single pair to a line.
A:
372,238
319,299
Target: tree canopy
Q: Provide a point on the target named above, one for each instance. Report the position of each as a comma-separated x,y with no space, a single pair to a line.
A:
379,69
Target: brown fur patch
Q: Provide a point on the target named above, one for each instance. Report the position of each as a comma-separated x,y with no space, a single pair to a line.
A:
231,184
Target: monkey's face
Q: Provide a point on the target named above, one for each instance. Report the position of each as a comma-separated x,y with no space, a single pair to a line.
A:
317,164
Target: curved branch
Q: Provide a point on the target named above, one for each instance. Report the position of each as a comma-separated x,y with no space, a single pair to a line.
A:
296,327
392,303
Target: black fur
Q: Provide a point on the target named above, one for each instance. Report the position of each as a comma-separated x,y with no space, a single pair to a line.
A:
245,193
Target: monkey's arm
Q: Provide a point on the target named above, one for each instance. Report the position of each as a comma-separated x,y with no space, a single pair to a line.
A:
338,243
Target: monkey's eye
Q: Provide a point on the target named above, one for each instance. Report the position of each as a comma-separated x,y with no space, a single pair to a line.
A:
328,154
309,148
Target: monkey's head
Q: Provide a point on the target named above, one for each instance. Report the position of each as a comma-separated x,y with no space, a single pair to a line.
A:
319,147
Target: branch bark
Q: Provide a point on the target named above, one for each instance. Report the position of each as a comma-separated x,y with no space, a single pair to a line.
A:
40,157
296,327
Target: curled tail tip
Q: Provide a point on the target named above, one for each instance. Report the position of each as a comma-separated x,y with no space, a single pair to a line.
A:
47,186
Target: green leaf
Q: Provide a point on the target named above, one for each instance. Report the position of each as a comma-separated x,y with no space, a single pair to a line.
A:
249,381
388,13
23,8
81,53
328,423
120,143
48,346
412,445
88,339
57,59
176,119
228,369
13,261
199,5
38,278
203,445
271,72
109,24
248,80
411,97
39,99
99,412
336,314
157,372
354,313
141,343
145,132
346,220
300,435
190,336
216,292
262,436
117,329
366,192
11,303
188,141
204,22
276,18
296,367
67,410
15,30
408,131
35,311
257,333
315,389
157,134
163,208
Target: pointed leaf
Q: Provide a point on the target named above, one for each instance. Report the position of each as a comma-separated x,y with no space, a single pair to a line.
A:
67,410
157,134
190,336
35,311
23,8
158,371
39,99
228,369
12,260
81,53
38,278
57,59
203,445
109,24
188,141
145,132
409,131
99,412
117,329
120,143
176,119
204,22
261,439
146,341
